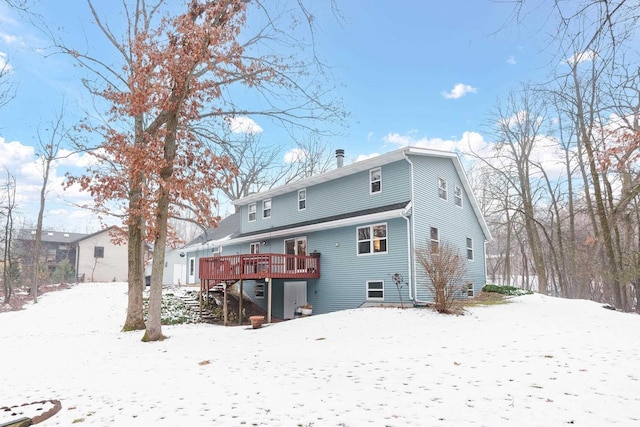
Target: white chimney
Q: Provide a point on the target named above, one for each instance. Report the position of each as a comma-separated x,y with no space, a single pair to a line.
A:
340,157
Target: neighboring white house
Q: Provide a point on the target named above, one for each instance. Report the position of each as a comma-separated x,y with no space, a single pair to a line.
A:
100,260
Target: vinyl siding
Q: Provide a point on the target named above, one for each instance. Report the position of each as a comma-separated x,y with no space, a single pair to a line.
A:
347,194
344,274
455,224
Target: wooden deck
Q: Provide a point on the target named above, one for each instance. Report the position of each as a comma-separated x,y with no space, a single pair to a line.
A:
259,266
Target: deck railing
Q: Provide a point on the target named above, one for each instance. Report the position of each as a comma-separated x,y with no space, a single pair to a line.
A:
259,266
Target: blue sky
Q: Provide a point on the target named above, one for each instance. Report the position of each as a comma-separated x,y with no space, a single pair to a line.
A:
411,73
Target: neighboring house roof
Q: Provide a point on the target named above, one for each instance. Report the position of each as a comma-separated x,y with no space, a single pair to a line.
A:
88,236
227,227
49,236
367,164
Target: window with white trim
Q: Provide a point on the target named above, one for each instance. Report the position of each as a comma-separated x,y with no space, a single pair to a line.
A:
442,188
302,199
372,239
254,248
266,208
457,196
252,212
470,291
469,248
375,290
435,239
375,179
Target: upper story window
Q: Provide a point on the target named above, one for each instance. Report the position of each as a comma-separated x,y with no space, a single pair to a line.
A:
98,251
375,179
435,239
302,199
457,196
442,189
254,248
252,212
266,208
375,290
372,239
469,248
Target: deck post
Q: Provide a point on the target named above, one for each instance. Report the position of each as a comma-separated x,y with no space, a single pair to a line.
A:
268,299
240,305
224,304
200,297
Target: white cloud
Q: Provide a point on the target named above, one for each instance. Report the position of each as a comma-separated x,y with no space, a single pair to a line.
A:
366,156
243,125
459,91
69,158
4,65
25,166
9,39
424,142
294,155
511,60
579,57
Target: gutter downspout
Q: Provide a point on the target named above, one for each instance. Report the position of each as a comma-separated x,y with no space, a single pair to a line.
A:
411,250
405,215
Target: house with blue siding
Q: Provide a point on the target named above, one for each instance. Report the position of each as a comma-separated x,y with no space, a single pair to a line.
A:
347,238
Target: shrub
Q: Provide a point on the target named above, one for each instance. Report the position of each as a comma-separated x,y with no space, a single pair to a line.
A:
63,272
506,290
444,268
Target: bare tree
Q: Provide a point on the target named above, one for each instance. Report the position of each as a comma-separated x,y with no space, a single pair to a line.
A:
444,269
7,87
48,152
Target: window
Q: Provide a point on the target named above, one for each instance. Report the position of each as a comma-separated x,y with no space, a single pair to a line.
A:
98,251
254,248
372,239
252,212
457,196
258,290
192,267
442,189
375,178
266,208
375,290
302,199
469,248
435,239
469,289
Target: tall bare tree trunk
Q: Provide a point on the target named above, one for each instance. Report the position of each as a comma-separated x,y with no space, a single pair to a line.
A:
135,245
7,278
154,324
601,210
38,242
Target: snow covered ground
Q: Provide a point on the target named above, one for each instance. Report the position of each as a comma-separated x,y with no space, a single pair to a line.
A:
537,361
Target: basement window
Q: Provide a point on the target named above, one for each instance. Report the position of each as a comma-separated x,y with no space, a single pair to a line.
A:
375,290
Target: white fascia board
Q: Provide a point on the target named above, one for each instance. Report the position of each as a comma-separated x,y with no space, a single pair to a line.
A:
380,216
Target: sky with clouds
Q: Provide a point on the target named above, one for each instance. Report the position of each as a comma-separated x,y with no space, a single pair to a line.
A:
411,73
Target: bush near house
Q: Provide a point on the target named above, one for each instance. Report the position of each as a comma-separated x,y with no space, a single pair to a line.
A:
506,290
